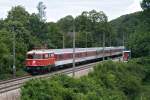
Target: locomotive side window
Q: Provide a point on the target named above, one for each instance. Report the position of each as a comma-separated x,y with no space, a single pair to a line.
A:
52,55
35,56
45,56
30,56
49,55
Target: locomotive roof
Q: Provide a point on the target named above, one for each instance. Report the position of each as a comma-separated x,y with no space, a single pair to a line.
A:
70,50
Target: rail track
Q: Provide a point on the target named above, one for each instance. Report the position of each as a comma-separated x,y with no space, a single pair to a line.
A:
16,83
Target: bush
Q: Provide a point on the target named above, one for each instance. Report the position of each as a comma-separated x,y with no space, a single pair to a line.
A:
109,81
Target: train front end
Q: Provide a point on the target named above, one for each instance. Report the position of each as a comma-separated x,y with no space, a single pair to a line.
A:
39,61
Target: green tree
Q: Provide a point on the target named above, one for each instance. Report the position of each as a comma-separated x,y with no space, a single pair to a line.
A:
95,25
135,30
5,55
66,24
18,13
53,37
139,44
145,4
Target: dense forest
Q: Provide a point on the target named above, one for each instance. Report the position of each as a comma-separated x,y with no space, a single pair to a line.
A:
29,32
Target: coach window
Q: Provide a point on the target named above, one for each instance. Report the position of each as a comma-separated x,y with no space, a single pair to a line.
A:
107,51
77,55
70,55
65,56
61,57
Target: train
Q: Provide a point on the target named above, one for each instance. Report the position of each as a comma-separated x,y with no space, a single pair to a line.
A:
45,59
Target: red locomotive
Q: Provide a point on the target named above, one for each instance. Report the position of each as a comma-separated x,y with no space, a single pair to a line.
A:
46,58
126,55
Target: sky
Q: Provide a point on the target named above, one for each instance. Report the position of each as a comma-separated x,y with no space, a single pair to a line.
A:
57,9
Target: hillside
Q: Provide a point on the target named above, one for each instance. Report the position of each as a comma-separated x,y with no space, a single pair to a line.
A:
135,28
128,22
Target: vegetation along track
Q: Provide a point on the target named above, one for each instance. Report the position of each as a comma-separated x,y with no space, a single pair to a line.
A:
14,84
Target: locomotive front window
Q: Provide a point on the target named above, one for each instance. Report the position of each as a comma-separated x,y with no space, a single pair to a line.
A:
38,56
35,56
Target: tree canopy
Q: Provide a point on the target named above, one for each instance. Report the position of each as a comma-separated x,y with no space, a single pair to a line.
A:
145,4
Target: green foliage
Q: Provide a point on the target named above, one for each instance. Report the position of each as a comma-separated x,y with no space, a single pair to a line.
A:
109,81
66,24
5,56
14,24
18,13
145,4
90,27
139,44
135,29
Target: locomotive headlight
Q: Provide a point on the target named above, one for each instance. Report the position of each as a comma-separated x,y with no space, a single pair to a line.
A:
33,62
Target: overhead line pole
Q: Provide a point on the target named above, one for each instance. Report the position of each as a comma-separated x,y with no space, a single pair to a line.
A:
63,41
110,43
123,39
86,40
86,35
14,53
74,48
103,46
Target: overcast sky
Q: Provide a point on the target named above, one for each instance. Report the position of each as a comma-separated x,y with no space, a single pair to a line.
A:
57,9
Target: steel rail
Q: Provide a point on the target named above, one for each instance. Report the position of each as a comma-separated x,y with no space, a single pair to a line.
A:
15,79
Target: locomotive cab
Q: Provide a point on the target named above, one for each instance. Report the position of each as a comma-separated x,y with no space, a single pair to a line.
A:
39,60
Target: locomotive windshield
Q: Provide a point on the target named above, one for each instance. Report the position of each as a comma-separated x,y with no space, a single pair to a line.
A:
35,56
39,56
